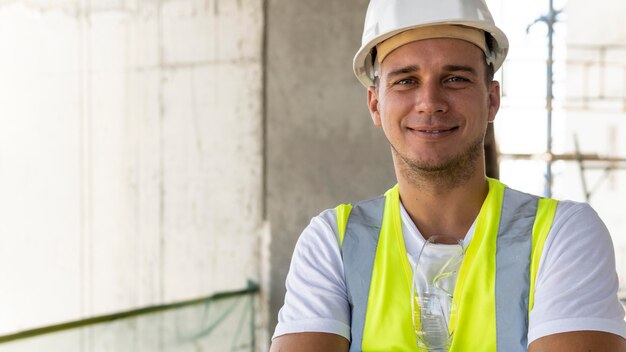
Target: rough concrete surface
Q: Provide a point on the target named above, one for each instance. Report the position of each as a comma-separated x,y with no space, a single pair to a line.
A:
131,154
322,148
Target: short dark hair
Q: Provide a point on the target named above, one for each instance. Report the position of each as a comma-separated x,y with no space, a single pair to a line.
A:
491,43
489,72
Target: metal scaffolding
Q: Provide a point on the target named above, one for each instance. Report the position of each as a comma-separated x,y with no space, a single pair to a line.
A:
586,161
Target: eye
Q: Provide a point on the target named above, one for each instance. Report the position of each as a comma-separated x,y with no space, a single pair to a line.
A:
405,81
455,79
457,82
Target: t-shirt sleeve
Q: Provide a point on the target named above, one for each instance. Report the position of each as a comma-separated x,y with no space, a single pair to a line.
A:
576,287
316,298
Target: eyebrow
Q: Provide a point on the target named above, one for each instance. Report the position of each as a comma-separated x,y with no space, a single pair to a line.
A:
456,68
447,68
403,70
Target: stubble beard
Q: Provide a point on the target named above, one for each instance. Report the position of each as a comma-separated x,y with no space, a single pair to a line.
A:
443,175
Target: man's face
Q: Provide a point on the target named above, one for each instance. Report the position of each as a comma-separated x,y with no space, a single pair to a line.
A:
433,103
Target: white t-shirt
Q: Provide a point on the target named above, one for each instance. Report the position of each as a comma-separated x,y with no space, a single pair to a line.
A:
575,289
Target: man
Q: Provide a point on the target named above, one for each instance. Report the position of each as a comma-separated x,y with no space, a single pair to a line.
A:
536,274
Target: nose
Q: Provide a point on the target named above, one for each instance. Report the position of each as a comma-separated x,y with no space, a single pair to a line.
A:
430,99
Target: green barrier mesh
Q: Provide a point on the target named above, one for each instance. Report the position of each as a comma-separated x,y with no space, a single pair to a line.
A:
219,323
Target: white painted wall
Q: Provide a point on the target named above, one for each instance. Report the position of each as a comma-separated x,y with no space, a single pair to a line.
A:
130,154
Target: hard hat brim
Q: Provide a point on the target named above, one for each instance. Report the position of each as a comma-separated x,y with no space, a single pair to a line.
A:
363,62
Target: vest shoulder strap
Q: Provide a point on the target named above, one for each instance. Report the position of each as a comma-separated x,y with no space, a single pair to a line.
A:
358,250
513,254
342,212
541,228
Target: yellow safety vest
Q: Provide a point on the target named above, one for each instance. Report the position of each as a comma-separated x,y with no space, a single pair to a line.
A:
495,285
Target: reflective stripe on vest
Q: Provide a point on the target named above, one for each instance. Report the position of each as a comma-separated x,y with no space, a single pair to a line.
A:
494,289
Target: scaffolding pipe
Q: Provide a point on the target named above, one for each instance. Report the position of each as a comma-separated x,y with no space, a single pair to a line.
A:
550,19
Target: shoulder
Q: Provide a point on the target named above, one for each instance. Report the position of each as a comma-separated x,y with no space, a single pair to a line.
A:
577,226
569,210
317,254
577,282
577,235
322,230
316,298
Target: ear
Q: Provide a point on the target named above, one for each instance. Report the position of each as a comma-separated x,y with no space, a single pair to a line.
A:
372,104
494,100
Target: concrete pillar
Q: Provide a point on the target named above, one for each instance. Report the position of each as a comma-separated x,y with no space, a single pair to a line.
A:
322,148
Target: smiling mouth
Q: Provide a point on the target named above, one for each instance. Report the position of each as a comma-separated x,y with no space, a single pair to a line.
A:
435,132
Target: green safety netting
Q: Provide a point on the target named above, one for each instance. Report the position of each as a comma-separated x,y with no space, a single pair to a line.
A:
223,322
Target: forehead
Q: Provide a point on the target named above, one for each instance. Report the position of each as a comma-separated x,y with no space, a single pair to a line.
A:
435,53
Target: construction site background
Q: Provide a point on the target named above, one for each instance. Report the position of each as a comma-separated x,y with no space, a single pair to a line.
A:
154,153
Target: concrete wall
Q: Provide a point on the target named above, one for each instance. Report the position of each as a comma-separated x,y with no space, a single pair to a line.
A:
130,154
322,149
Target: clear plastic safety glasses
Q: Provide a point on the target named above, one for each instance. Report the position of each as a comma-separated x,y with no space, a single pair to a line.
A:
432,302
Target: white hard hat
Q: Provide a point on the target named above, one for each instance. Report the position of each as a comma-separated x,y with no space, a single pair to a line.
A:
386,18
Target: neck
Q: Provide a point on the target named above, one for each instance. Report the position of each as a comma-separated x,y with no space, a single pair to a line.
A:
443,205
